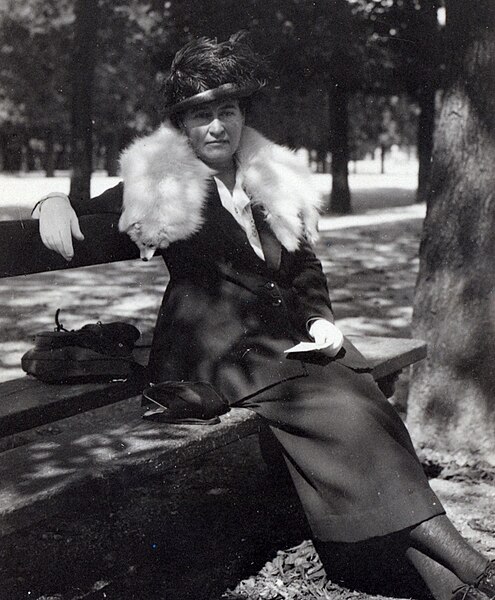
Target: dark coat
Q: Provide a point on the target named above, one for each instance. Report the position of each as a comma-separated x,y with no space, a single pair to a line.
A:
227,316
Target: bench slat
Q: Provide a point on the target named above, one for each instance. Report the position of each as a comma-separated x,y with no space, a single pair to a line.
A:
388,355
111,443
27,403
22,251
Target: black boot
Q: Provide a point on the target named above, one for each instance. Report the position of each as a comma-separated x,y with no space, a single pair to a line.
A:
486,581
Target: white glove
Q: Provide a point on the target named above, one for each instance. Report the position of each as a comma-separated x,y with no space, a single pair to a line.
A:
58,224
327,335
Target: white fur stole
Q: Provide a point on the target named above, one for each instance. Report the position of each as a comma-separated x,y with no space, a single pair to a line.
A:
165,188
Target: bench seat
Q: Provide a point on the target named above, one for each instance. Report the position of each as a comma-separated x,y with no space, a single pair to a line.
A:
27,403
44,468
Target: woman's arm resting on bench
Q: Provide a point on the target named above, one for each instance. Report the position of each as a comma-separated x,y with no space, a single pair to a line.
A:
58,217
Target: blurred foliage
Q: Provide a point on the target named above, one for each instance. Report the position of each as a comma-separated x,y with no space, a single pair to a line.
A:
34,59
378,49
381,121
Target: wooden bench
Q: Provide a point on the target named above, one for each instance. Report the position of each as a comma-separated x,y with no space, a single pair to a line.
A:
61,442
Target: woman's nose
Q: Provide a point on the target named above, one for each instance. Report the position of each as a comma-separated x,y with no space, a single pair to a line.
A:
216,127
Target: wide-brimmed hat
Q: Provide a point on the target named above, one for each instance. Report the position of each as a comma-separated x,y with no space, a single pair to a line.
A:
205,70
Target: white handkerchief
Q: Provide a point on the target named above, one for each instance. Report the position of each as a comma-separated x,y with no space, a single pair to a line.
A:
306,347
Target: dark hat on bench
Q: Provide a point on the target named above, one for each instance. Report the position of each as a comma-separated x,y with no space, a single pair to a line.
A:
205,71
184,402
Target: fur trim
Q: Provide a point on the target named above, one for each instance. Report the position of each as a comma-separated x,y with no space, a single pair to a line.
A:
165,187
275,179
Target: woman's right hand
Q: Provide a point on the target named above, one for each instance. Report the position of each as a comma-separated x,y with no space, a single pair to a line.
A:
59,224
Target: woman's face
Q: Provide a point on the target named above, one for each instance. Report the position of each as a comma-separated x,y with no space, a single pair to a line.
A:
214,131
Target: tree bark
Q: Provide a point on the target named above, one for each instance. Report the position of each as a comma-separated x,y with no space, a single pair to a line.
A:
383,152
24,158
452,400
112,151
84,60
49,158
340,198
426,127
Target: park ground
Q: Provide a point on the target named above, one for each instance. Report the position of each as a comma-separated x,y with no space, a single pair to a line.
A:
220,523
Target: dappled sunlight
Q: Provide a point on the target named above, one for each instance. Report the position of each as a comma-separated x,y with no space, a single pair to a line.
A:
99,444
128,306
371,275
371,270
130,291
10,358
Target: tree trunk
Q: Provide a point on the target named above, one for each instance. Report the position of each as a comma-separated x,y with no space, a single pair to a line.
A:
84,60
340,198
383,152
24,158
452,400
62,161
49,158
112,151
426,126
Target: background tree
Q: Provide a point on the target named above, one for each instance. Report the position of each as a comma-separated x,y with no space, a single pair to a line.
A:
34,86
417,52
452,404
125,100
84,55
323,53
40,58
405,55
381,122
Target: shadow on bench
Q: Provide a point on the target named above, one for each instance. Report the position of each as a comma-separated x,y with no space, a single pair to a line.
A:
48,461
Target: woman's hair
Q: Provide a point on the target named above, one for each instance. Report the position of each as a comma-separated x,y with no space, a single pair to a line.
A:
204,64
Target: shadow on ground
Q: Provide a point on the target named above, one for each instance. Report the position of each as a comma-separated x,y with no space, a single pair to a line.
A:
371,273
372,198
186,535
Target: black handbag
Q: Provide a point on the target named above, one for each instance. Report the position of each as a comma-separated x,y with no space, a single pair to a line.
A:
96,352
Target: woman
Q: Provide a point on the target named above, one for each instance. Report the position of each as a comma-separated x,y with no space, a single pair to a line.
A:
234,215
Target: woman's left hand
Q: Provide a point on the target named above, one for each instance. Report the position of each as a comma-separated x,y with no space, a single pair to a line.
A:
326,335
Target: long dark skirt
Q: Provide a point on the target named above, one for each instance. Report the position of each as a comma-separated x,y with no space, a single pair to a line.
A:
349,454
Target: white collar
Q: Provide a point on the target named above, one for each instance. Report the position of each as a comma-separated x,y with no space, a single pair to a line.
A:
238,198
